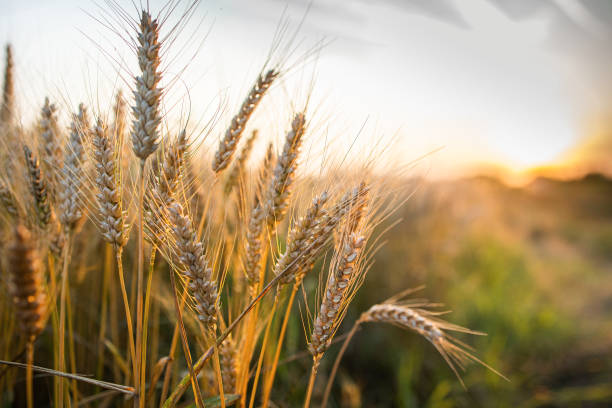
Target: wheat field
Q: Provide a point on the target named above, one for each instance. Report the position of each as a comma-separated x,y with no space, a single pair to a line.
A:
141,268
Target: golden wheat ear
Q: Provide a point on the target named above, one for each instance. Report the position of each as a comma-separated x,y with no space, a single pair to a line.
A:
7,110
38,188
26,282
229,143
49,135
147,94
112,216
424,322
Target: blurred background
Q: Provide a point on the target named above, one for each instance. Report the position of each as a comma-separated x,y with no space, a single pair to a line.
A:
507,105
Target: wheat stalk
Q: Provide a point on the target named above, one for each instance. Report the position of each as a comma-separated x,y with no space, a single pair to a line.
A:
227,146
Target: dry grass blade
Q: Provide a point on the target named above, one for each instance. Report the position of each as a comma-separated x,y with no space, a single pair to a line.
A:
103,384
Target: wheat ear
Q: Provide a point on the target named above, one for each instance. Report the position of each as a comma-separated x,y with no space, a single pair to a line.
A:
301,236
426,324
147,94
7,200
320,232
190,253
7,110
69,196
170,169
227,146
284,172
38,187
29,298
255,229
228,353
112,217
238,167
49,133
26,282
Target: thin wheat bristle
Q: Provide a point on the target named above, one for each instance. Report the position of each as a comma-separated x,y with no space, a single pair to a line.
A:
109,196
227,146
191,254
147,94
284,172
38,188
238,168
7,111
335,297
26,282
69,195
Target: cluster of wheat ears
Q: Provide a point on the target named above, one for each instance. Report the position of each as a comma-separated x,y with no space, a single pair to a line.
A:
105,242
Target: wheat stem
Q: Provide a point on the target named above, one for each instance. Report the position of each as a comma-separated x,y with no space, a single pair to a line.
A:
311,381
281,338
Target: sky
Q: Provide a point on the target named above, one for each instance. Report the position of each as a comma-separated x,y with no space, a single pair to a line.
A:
473,84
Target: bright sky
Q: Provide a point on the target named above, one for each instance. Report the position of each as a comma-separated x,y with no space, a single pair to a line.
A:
489,81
